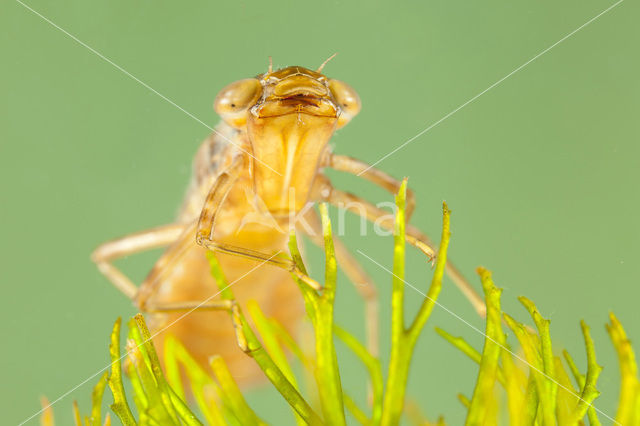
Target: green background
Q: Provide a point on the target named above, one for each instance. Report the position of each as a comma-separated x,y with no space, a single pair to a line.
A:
541,172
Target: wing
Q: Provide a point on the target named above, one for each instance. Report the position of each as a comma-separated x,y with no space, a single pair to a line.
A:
212,158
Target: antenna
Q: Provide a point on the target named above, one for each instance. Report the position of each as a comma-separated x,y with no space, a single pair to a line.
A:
325,62
270,65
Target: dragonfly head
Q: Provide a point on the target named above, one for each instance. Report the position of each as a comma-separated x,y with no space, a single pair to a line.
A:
289,116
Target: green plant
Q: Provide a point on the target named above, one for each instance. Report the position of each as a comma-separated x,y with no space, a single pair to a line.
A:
533,379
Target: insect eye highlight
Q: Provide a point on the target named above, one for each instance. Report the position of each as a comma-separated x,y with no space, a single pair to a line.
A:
347,99
233,101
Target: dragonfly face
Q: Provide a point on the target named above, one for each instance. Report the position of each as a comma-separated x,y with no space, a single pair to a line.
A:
288,117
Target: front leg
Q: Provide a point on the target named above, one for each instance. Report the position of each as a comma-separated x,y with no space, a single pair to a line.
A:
414,236
206,227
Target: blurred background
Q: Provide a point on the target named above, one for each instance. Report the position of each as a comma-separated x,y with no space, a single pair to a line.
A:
541,172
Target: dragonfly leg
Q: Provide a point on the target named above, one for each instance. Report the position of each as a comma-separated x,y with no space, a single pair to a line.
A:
206,226
230,306
357,275
106,253
356,167
383,218
207,305
414,236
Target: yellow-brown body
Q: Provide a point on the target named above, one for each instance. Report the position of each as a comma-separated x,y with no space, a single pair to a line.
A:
205,332
277,149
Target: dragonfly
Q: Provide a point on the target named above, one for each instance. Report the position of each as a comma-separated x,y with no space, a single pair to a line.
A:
254,177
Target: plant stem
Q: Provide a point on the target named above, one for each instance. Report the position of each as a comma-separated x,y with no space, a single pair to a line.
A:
549,389
120,405
535,394
396,383
403,340
479,411
400,354
96,400
327,373
580,380
589,391
629,398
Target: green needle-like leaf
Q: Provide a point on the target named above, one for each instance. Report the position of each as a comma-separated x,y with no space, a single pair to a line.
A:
327,373
96,400
120,405
464,401
466,349
372,365
548,397
204,389
272,346
580,380
483,395
628,412
530,346
355,411
232,393
589,391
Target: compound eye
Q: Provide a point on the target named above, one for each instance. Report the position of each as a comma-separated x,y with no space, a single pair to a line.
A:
347,99
234,100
